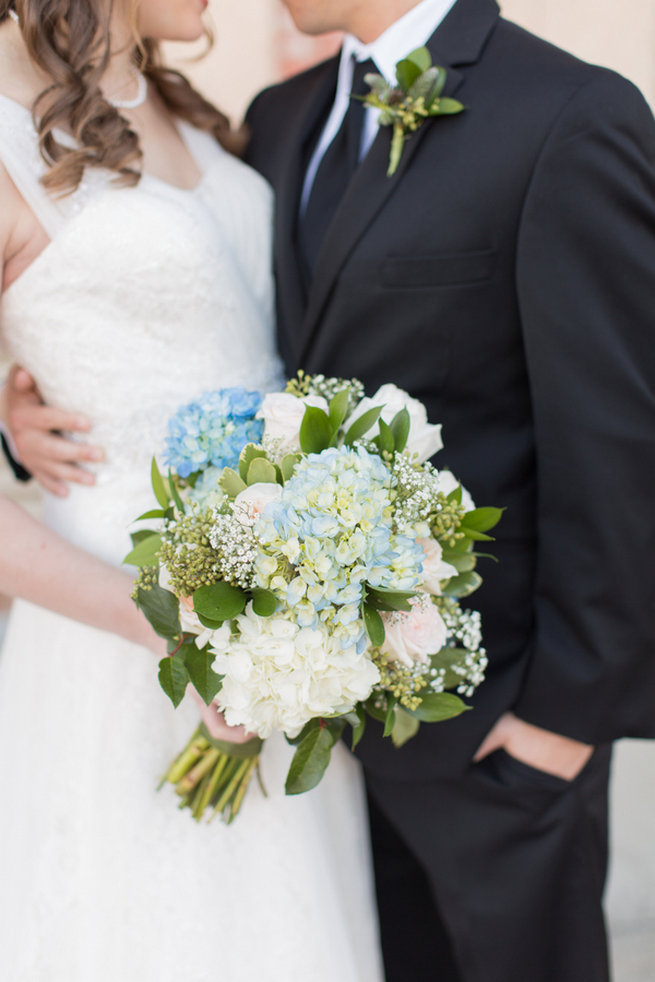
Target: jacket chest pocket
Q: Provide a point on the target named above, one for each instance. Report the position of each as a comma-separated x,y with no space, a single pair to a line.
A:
438,270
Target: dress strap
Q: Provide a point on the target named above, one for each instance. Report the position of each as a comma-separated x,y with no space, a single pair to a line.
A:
19,152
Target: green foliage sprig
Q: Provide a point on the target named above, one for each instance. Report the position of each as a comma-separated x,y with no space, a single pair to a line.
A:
415,98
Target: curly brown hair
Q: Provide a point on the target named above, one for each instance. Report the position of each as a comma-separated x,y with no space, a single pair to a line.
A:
69,41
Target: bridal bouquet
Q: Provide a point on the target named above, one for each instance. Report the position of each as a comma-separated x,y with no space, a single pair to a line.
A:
307,572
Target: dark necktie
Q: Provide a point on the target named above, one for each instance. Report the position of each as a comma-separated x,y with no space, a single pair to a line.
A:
337,166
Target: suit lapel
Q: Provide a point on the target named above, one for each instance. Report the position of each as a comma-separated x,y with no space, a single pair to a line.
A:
290,286
458,41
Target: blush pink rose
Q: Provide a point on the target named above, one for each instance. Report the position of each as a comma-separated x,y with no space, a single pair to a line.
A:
434,568
413,636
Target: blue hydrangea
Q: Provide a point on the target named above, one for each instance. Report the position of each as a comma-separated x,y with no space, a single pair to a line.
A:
334,524
213,430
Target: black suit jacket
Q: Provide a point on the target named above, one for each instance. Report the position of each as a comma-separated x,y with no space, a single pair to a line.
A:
506,277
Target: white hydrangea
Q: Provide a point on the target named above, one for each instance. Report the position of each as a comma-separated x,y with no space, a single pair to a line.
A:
278,675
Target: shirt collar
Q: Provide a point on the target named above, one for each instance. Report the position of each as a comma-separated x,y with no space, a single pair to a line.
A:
411,31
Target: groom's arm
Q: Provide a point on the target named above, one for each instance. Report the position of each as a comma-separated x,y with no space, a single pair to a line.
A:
586,288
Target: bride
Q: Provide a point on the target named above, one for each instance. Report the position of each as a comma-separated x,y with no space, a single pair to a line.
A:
136,274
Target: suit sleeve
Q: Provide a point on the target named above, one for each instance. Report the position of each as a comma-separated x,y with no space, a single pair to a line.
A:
586,289
20,473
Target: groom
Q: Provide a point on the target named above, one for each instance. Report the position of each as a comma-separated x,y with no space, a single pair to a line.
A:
505,276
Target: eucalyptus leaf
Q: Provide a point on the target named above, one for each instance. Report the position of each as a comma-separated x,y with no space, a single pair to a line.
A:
315,430
374,625
173,678
261,471
158,486
145,552
288,465
439,706
232,483
198,663
249,453
220,601
463,562
363,424
310,761
264,602
425,86
161,608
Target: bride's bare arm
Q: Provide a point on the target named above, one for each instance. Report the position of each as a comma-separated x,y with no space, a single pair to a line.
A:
39,566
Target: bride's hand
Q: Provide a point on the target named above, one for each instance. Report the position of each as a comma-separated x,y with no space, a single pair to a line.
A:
215,723
52,459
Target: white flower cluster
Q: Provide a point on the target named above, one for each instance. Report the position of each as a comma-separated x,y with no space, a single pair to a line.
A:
278,675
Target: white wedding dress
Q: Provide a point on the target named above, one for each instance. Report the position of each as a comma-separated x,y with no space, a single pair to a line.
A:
144,298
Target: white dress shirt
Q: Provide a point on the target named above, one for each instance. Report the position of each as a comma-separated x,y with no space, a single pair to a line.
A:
412,31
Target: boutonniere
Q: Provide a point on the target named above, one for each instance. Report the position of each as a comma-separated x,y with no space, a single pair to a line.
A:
415,98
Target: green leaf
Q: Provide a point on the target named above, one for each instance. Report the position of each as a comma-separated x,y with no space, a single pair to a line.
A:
482,519
261,471
374,625
400,429
446,107
363,424
464,562
407,72
288,465
179,504
173,678
463,585
439,706
474,536
153,513
390,718
198,663
249,453
158,486
339,407
382,599
359,727
421,57
219,602
315,430
374,710
161,608
232,483
145,553
310,761
386,440
264,602
404,728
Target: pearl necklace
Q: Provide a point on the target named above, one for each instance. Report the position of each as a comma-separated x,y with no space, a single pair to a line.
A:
141,82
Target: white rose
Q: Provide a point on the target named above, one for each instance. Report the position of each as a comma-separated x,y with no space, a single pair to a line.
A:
249,504
283,413
447,482
413,636
424,438
434,568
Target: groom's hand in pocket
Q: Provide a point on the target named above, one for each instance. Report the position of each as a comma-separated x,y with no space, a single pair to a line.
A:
541,749
52,459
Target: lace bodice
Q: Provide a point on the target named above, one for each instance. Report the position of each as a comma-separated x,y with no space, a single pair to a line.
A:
144,298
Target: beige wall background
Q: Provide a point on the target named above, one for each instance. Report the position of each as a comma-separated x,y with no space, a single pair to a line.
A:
256,44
